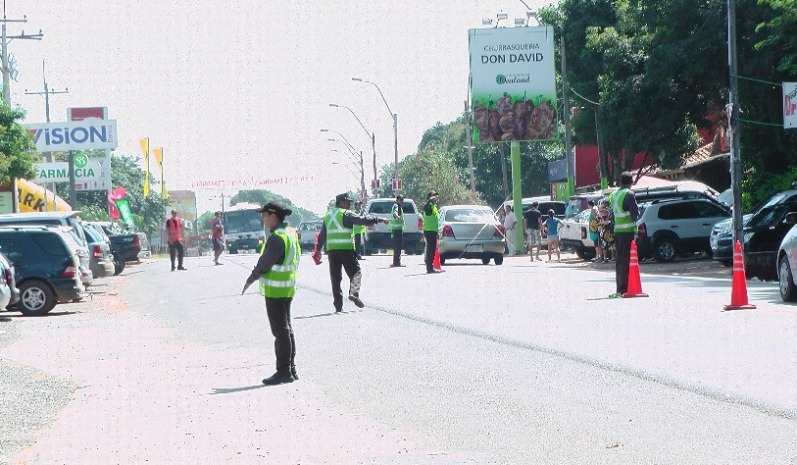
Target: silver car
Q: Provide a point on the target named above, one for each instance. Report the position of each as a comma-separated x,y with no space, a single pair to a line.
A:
9,294
470,231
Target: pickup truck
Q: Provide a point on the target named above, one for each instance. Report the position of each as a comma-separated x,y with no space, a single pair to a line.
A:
307,234
124,247
378,236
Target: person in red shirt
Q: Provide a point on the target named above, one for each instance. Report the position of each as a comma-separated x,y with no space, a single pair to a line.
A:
217,231
174,235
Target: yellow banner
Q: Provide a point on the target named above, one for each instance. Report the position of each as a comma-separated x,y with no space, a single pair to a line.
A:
158,152
145,146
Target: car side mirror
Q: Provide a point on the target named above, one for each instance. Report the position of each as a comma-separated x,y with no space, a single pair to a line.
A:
791,218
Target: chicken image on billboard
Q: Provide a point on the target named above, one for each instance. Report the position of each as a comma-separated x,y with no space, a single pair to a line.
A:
513,84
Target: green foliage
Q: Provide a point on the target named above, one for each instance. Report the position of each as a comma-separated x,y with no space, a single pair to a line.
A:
260,197
432,169
780,31
17,157
203,223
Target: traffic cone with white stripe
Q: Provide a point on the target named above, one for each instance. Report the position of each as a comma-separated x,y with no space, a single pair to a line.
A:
634,280
739,282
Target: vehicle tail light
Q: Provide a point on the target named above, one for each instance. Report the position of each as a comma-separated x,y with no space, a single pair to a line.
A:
420,223
447,231
583,233
70,271
9,277
137,241
97,251
499,231
370,227
642,230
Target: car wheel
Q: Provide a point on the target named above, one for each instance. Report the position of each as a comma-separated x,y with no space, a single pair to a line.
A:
118,265
35,298
485,260
664,250
499,259
585,253
788,292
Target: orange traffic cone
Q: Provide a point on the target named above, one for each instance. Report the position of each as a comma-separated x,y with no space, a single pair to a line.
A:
436,262
634,280
739,282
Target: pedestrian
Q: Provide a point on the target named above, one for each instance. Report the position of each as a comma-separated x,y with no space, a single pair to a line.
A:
606,230
509,223
276,272
174,236
552,224
217,234
359,232
532,223
430,225
338,236
396,227
626,212
594,227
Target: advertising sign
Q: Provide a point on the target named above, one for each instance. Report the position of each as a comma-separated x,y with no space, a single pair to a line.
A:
790,105
89,173
74,135
513,84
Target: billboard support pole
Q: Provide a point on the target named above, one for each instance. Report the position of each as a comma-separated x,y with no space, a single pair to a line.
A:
571,171
517,194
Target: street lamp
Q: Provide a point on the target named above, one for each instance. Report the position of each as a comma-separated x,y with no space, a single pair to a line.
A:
354,152
369,133
395,125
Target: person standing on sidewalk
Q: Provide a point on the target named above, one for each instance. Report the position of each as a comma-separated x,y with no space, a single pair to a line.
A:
509,222
217,234
359,233
338,236
626,212
174,235
532,223
276,270
430,224
396,226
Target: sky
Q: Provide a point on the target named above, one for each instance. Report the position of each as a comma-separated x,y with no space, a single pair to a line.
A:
237,92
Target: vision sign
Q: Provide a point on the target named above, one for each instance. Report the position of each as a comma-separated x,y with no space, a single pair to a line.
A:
74,135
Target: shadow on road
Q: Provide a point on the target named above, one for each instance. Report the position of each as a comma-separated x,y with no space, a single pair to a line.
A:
234,390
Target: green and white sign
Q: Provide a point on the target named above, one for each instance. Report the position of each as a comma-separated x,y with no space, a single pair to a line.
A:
513,83
91,174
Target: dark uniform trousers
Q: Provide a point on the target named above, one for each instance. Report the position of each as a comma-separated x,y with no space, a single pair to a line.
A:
346,259
622,244
398,243
279,317
431,245
176,248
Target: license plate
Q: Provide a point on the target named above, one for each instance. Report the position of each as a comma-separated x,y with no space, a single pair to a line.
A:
474,248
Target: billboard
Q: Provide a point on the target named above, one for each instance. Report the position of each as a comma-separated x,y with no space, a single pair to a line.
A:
74,135
513,83
790,105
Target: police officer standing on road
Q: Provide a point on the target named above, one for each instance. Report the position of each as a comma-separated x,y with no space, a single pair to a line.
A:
626,212
276,271
396,226
338,235
430,225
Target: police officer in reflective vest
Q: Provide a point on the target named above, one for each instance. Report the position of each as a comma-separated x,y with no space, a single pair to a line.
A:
396,227
338,235
276,273
359,233
626,212
430,224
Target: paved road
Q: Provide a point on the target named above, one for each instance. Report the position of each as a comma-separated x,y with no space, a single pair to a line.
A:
523,363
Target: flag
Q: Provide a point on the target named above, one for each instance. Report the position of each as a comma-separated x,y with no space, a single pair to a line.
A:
124,210
158,152
145,148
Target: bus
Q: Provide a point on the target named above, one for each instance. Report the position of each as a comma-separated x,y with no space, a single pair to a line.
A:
243,228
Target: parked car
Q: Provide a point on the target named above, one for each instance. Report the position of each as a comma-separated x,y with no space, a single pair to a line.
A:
379,236
68,219
46,267
124,247
574,233
9,293
668,228
81,252
470,231
679,190
786,262
100,256
307,234
544,204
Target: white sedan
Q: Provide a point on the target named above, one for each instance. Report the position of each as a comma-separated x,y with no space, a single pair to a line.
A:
574,232
470,231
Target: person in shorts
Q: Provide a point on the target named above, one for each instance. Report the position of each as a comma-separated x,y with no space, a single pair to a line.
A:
532,223
217,234
552,224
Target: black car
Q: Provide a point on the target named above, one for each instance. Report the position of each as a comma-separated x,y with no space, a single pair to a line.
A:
46,269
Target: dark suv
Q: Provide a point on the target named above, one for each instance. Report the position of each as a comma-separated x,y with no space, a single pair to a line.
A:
47,270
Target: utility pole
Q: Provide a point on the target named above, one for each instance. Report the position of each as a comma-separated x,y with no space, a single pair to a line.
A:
732,111
5,40
470,150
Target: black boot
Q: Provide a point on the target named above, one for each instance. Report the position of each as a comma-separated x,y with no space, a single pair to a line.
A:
280,377
293,373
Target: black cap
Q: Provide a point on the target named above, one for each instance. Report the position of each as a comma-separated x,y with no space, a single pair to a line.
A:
343,197
275,207
431,194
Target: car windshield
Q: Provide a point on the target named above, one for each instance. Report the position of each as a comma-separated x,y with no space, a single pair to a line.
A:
767,216
469,215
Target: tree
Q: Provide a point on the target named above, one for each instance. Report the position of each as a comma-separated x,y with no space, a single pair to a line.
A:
431,169
17,150
261,197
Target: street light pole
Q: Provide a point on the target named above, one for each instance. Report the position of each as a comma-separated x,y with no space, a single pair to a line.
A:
395,125
5,41
354,153
370,134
